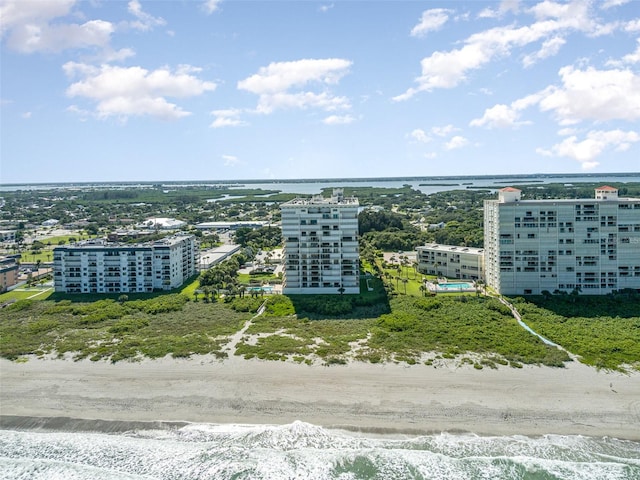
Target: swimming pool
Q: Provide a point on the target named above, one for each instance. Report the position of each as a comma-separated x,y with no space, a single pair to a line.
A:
455,286
264,288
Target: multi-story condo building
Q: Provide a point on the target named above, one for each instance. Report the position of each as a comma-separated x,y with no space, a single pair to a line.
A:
451,261
560,245
96,266
321,244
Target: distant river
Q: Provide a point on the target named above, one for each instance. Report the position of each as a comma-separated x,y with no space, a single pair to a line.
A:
310,187
439,184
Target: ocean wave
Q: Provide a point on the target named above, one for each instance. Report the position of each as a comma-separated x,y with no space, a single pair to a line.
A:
302,450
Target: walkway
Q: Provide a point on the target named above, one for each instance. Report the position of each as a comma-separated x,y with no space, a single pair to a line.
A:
518,318
234,339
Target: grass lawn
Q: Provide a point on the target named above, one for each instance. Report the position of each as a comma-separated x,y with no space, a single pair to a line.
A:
35,293
55,241
44,256
245,278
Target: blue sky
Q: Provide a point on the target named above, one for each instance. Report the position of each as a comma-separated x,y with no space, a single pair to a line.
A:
108,90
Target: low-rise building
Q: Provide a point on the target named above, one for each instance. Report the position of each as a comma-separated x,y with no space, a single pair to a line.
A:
8,273
231,225
7,236
96,266
451,261
163,223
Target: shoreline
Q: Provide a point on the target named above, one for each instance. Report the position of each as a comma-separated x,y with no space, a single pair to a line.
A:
358,397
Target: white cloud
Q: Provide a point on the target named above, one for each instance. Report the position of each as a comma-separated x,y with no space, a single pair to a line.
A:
504,7
549,48
109,55
443,131
430,155
338,120
430,21
498,116
633,57
145,21
16,13
632,25
613,3
456,142
589,149
420,135
134,91
211,6
227,118
592,94
326,8
26,115
563,132
230,160
449,68
274,83
30,27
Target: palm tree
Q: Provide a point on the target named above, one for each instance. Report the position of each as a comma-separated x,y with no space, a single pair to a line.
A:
405,281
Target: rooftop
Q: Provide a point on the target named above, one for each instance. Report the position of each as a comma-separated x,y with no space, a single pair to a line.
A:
337,198
103,244
453,248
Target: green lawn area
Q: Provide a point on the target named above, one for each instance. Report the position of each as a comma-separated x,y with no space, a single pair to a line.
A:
37,293
45,256
55,241
245,278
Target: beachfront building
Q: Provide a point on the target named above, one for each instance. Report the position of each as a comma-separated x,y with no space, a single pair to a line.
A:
591,245
451,261
321,244
96,266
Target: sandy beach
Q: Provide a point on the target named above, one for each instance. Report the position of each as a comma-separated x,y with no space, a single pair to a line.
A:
374,398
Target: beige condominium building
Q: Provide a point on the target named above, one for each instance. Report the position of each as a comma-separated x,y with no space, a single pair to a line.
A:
321,245
592,245
96,266
451,261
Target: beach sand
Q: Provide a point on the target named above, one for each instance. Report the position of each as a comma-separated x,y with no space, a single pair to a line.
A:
383,398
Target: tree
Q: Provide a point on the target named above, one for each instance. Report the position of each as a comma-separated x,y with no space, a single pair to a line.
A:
404,282
341,290
123,298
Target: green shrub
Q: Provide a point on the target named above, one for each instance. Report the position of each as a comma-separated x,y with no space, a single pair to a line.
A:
128,325
23,304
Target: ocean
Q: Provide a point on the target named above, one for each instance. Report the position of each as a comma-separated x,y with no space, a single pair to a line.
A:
304,451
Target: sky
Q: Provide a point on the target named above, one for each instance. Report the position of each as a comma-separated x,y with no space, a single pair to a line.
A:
194,90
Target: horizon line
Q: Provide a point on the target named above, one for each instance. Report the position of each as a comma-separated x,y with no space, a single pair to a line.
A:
320,180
